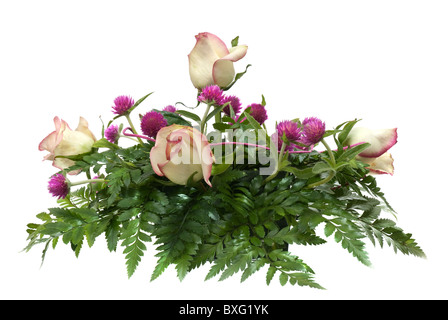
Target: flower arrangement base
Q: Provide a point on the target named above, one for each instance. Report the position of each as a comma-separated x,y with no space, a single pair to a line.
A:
219,200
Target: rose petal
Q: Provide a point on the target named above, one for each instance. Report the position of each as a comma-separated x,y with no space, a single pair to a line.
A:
180,173
50,142
381,140
207,50
180,151
381,165
157,154
215,43
203,150
223,69
83,127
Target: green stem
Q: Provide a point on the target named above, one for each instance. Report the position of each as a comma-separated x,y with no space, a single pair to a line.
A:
129,138
218,119
133,128
327,179
330,152
205,117
282,153
333,164
86,181
279,161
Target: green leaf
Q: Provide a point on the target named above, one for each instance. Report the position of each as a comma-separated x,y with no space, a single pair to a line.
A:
235,41
263,101
252,268
77,235
183,265
346,130
350,153
128,214
321,167
383,223
133,239
270,274
155,207
300,173
254,123
162,264
304,279
221,126
329,229
139,101
129,202
283,278
219,168
104,143
190,115
259,230
90,232
215,111
112,232
215,270
174,118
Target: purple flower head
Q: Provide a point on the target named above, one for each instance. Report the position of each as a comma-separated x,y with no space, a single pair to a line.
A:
58,186
290,129
234,102
211,94
112,134
122,104
169,109
152,122
258,112
313,130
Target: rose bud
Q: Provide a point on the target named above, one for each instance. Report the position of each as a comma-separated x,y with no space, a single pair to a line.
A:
181,151
66,142
211,62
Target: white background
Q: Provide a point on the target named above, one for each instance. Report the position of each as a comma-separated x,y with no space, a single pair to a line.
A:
385,62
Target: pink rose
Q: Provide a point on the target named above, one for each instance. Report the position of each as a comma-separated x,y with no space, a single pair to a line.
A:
181,151
376,156
211,62
66,142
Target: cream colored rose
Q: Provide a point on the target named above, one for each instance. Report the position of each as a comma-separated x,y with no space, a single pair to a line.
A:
211,62
181,151
67,142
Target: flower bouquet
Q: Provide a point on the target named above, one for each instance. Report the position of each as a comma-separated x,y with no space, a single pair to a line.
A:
217,188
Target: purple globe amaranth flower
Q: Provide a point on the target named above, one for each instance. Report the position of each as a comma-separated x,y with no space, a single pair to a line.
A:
313,130
234,102
211,94
112,134
258,112
170,108
122,104
58,186
152,122
290,129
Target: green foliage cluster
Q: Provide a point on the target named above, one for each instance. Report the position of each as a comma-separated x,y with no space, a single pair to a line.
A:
244,223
